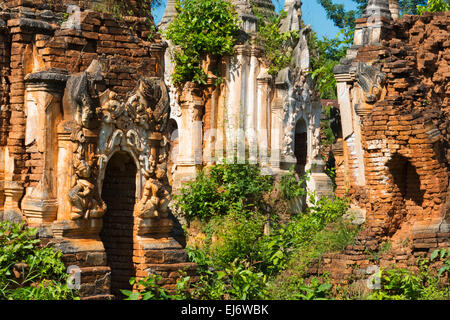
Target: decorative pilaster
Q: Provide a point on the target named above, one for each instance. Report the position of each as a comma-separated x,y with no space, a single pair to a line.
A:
251,112
43,104
263,116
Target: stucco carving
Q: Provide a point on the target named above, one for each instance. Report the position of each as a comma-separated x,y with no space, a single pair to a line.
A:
106,123
371,80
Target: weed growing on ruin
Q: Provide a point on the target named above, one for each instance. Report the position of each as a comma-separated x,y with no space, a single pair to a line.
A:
150,289
292,186
277,45
239,249
401,284
201,28
28,271
225,188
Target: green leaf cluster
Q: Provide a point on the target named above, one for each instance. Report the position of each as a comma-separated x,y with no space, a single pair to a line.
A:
201,27
434,6
401,284
225,188
278,46
292,186
28,271
150,289
325,54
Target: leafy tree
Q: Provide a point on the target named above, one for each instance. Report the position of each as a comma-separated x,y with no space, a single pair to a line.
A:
434,6
341,17
325,54
346,18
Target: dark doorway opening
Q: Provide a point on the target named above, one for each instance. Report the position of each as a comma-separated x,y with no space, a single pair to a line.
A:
119,193
301,147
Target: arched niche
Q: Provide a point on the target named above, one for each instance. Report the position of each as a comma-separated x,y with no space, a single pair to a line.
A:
406,194
117,233
301,146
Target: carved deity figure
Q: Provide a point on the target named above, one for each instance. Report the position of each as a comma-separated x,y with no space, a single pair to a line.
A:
156,197
84,196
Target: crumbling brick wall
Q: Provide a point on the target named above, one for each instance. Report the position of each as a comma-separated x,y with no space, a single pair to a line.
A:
35,36
37,31
4,78
405,141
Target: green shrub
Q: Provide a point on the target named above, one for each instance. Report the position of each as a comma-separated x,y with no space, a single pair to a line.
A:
240,256
28,271
149,288
317,289
201,27
237,239
237,281
292,186
226,188
401,284
277,45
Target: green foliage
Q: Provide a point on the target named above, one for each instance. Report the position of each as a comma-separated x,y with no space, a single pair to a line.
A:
401,284
277,45
410,6
278,248
237,239
239,254
325,54
292,186
150,289
442,254
238,280
122,8
339,15
201,27
316,290
27,271
434,6
226,188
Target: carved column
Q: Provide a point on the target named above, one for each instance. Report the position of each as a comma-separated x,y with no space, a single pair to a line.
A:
236,104
13,193
65,169
190,143
394,9
276,133
263,116
251,111
43,104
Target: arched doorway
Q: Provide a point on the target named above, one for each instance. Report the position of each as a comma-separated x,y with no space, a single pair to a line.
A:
119,193
301,146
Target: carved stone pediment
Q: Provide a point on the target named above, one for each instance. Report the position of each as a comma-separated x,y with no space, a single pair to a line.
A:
107,123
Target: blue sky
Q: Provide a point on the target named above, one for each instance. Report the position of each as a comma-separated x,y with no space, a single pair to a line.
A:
313,14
